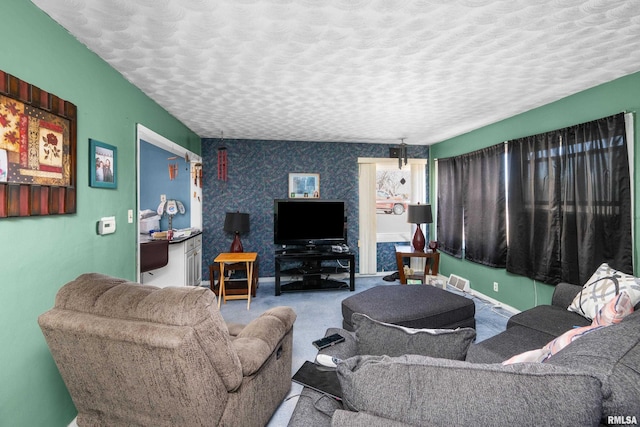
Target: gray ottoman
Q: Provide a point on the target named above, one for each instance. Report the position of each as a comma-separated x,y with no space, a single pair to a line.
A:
413,306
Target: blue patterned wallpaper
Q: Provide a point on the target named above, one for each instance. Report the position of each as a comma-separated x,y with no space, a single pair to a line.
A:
258,173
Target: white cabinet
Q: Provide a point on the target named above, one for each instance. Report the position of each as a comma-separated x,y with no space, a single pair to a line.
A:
193,261
184,267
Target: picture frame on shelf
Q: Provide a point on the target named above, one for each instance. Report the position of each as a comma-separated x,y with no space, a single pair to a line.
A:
304,185
103,165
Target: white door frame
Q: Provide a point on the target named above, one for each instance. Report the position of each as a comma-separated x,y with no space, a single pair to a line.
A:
367,238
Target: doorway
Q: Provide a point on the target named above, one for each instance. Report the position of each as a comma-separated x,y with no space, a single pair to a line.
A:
385,190
192,191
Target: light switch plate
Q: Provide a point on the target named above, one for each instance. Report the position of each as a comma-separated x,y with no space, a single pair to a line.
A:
130,216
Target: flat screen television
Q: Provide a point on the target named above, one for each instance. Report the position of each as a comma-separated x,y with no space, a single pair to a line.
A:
309,222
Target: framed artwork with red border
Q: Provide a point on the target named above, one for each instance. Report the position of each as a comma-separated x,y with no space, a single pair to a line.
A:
37,151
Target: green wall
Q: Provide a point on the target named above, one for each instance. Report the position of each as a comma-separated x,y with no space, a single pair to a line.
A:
616,96
41,254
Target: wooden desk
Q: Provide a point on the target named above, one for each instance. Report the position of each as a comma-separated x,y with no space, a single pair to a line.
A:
431,265
233,257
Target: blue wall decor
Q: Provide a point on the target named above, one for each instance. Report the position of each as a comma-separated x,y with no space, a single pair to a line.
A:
154,181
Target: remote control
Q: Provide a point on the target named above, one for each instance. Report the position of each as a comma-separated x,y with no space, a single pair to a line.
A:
328,341
328,361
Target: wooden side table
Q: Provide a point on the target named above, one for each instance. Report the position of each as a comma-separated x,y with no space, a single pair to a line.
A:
233,286
431,265
234,257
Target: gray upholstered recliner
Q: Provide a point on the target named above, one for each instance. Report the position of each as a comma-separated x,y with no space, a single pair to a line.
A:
133,354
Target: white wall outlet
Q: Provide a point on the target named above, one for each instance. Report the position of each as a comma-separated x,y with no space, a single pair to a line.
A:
495,286
163,197
130,216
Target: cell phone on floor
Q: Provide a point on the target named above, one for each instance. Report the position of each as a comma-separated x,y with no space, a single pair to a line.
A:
328,341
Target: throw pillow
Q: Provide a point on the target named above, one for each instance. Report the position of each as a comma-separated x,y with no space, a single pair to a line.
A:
568,337
603,285
424,391
380,338
614,311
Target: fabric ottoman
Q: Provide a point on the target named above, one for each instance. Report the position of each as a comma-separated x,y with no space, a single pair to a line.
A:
413,306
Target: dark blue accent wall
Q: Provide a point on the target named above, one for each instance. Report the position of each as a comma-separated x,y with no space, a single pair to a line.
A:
258,173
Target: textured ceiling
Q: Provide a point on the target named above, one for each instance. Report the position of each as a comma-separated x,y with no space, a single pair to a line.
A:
355,70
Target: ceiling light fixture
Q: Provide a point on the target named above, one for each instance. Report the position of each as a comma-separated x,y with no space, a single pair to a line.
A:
402,153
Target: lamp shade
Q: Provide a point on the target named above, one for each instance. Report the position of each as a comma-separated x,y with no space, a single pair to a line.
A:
419,214
236,222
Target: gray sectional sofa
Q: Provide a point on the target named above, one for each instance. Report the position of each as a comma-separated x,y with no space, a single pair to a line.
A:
595,380
531,328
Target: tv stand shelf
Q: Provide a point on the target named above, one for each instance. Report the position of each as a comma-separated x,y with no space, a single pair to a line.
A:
310,266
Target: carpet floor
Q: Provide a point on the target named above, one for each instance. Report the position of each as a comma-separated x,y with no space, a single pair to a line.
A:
318,310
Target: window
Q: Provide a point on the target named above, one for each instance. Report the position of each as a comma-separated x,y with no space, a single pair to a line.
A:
569,203
393,196
370,239
450,210
484,204
472,205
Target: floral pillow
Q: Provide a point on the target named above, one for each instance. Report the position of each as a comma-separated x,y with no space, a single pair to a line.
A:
568,337
603,285
615,310
531,356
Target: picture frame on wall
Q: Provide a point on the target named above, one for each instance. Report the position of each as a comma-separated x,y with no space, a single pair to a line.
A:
37,151
103,165
304,185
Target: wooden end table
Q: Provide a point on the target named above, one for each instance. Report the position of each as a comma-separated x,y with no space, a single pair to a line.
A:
233,286
430,268
234,257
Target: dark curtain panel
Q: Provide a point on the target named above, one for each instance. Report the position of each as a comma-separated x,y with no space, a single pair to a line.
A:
450,206
570,202
533,207
485,230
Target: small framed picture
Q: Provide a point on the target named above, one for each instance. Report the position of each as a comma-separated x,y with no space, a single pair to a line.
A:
103,161
304,185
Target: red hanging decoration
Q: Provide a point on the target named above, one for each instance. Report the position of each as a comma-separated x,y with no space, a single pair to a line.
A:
173,169
222,163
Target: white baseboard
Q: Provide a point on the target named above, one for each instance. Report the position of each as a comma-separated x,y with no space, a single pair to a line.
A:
481,296
493,301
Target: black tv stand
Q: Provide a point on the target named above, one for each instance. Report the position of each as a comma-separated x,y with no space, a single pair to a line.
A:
308,264
304,250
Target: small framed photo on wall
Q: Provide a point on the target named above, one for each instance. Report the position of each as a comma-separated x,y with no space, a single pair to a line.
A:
103,165
304,185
